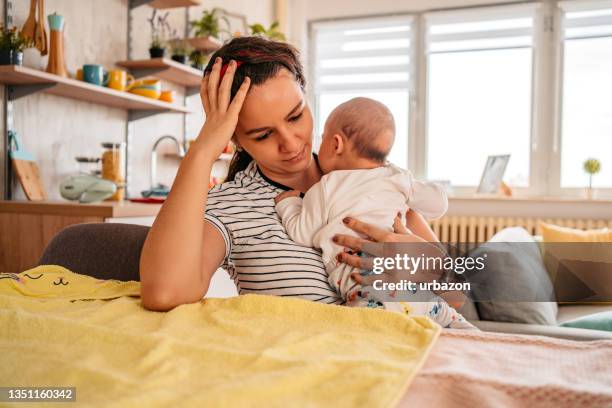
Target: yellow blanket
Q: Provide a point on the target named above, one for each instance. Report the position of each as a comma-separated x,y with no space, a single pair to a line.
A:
63,329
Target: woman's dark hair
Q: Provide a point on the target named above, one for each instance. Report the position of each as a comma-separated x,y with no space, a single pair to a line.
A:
261,60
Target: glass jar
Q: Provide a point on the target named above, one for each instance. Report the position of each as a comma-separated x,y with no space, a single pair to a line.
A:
113,167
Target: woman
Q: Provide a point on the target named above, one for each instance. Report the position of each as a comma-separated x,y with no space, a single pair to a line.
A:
254,94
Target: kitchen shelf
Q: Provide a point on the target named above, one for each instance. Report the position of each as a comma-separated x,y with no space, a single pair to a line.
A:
25,81
222,157
166,69
164,4
205,43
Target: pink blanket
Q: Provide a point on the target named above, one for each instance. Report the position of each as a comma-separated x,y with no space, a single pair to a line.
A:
472,369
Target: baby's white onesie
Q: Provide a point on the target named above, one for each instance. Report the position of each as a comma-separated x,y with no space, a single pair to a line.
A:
370,195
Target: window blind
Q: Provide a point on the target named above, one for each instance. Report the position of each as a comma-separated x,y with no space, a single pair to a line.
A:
480,29
362,54
587,19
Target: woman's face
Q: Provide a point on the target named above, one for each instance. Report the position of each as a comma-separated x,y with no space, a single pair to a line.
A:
275,126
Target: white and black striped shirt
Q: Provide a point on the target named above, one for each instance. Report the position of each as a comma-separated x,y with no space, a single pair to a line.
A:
260,257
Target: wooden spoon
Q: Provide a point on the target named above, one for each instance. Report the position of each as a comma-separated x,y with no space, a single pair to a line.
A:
41,35
29,27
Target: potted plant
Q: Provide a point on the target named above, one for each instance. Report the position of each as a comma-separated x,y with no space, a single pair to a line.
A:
272,33
159,33
180,50
208,25
12,44
199,59
591,167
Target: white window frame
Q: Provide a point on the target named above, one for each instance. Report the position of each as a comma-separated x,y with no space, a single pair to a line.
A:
547,104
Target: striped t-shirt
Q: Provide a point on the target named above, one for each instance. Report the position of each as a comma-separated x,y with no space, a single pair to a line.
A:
260,257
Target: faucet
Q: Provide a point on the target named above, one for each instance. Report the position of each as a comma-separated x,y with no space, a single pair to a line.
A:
179,147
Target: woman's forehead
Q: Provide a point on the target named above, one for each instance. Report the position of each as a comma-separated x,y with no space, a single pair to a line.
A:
273,99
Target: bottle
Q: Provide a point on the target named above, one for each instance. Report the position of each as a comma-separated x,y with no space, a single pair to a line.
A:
113,167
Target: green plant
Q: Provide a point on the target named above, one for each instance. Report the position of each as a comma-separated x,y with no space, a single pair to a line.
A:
180,47
208,25
272,33
13,39
591,167
160,29
198,58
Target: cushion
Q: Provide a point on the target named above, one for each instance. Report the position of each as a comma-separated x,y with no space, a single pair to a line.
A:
554,233
514,272
579,263
597,321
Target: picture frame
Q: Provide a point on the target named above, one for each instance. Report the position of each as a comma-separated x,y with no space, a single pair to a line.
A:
493,174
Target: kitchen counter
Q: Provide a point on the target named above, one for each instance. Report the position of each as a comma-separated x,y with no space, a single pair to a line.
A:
27,227
104,209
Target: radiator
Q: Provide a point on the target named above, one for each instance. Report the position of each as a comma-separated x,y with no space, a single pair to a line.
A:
475,229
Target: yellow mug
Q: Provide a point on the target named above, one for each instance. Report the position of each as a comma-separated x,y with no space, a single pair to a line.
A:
79,74
119,79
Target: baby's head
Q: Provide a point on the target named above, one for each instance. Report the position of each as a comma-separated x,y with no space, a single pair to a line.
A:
358,134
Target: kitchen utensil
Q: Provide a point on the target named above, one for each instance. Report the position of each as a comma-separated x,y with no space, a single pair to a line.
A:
119,79
26,169
95,74
167,96
86,188
151,88
40,36
57,64
29,27
150,200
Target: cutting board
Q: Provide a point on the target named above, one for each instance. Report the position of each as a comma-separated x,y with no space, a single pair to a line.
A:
27,170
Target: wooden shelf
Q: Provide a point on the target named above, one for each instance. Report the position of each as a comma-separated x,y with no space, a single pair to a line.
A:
223,157
166,69
165,4
205,43
27,80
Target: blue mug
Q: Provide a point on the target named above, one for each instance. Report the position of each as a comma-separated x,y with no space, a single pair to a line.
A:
95,74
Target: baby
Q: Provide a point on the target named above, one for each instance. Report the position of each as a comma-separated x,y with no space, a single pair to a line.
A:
358,182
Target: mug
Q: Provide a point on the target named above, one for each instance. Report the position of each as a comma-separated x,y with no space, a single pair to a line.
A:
151,88
119,79
79,74
95,74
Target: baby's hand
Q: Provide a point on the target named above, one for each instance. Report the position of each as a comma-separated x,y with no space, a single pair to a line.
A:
286,194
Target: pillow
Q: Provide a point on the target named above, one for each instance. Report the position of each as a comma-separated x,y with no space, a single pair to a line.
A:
596,321
554,233
579,263
514,272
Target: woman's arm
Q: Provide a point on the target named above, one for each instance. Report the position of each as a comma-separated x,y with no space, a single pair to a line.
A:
182,250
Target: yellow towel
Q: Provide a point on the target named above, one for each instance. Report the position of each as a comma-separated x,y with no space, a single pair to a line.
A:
249,350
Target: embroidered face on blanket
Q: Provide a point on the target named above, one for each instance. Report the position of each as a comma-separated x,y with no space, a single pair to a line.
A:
50,281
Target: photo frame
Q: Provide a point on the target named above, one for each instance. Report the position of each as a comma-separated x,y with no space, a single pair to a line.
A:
493,174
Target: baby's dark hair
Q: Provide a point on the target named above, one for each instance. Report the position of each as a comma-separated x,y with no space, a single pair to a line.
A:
261,60
367,124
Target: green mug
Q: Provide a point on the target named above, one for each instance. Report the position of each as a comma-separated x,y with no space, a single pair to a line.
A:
95,74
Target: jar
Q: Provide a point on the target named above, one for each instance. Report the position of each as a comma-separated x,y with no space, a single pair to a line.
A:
113,167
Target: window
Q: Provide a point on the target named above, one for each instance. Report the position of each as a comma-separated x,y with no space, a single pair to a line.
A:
533,80
369,58
586,121
479,73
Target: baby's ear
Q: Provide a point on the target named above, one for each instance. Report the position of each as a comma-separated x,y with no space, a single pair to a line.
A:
339,143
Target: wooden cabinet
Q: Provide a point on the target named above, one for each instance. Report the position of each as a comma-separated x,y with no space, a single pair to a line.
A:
26,227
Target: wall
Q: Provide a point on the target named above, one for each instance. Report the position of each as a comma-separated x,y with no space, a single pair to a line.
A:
57,129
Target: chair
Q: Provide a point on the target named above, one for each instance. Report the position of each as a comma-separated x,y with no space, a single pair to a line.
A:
101,250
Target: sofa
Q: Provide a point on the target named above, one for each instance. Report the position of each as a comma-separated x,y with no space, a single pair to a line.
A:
112,251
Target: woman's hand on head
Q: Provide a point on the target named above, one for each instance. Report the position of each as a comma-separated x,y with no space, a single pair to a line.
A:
221,114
